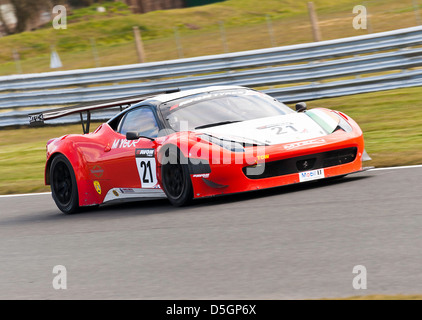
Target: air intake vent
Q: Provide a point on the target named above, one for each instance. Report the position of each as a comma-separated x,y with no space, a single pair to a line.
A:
304,163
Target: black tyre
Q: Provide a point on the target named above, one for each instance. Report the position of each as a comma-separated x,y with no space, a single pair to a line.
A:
63,185
176,180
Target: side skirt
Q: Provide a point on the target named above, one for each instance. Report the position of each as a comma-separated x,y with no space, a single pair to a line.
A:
130,194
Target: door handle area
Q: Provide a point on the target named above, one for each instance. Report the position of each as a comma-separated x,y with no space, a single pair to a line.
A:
107,149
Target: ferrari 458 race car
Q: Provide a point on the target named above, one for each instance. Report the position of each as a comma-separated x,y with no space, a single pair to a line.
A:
197,143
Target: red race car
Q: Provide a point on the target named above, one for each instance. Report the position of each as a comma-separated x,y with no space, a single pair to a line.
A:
197,143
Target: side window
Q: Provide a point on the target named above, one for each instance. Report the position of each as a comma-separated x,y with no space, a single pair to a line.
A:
141,120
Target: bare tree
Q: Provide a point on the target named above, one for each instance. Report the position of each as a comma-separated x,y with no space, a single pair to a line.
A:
27,10
27,13
3,21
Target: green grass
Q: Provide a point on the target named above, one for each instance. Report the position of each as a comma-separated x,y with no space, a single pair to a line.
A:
391,122
113,9
244,20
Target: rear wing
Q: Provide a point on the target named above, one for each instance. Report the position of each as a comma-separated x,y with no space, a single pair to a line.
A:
39,118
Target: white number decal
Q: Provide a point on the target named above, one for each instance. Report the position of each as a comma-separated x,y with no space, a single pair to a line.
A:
145,162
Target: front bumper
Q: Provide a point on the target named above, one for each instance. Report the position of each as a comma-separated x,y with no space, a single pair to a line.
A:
284,167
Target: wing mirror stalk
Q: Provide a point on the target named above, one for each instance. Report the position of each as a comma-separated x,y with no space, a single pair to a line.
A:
301,107
133,135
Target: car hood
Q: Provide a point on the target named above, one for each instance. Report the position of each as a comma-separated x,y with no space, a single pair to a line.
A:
268,131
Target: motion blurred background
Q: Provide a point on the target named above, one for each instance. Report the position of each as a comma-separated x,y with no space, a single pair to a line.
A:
100,33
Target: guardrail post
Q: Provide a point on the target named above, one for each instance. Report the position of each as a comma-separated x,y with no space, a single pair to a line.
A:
223,36
368,17
417,12
139,46
270,31
178,43
314,22
95,52
17,61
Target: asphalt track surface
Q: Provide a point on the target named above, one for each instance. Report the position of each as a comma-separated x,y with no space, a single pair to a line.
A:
291,242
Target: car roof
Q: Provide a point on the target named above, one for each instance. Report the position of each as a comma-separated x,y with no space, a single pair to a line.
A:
185,93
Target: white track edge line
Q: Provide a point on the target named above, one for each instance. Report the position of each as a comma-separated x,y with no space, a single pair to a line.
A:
44,193
395,168
24,194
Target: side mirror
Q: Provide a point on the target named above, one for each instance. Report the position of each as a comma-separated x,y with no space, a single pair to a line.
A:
133,135
300,107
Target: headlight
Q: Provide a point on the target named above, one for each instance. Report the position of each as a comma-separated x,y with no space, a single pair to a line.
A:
345,125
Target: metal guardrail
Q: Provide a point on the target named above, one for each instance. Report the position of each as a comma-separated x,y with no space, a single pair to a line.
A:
396,50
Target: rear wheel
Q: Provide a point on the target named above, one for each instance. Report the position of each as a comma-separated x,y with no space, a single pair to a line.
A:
176,180
63,185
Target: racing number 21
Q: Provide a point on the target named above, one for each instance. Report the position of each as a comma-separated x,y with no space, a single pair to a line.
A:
145,161
146,167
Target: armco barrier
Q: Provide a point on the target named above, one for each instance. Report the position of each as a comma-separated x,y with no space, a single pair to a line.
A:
355,58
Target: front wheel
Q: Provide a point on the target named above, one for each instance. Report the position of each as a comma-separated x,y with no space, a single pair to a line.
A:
63,185
176,180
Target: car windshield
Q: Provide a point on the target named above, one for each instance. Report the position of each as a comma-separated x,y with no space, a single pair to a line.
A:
220,107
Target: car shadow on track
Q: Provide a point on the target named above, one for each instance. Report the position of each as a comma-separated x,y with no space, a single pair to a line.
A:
163,206
281,191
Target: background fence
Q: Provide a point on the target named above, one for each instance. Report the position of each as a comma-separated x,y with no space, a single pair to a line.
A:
293,73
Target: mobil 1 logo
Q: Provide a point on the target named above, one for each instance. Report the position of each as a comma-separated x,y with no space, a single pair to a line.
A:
147,168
